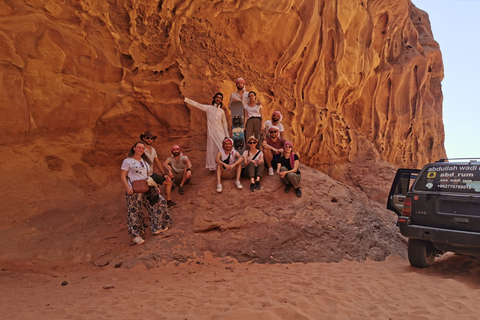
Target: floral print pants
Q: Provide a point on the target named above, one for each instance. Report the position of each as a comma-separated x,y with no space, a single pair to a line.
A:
159,216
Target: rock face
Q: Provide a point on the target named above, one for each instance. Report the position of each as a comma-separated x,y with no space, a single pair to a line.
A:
358,83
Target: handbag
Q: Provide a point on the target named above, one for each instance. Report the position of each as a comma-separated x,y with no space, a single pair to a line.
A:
140,186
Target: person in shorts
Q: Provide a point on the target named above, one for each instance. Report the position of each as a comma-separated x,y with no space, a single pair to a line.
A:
272,149
179,168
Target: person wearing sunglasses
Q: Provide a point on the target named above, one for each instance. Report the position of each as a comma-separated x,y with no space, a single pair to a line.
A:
287,169
152,158
254,164
275,121
272,149
216,127
253,116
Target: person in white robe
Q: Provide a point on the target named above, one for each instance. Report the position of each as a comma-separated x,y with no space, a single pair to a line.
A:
217,128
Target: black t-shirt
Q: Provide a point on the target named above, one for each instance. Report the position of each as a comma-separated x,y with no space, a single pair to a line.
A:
285,162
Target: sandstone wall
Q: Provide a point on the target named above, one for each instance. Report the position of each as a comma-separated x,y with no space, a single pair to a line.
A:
356,80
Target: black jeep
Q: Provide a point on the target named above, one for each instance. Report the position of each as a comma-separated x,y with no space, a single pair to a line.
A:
438,209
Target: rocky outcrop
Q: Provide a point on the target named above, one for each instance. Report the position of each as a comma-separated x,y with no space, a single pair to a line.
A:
358,83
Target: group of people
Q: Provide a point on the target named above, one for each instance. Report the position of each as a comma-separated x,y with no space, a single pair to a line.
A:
222,156
266,148
139,166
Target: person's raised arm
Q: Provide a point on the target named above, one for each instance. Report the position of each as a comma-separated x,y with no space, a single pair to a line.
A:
196,104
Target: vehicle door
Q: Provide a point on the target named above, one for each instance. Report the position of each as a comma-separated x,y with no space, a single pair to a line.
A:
401,185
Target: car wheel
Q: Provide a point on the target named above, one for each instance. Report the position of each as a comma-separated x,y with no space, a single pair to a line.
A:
421,253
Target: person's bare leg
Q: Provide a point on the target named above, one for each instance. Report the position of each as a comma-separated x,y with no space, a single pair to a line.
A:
168,189
219,173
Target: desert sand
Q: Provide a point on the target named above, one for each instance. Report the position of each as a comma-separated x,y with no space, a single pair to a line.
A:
225,289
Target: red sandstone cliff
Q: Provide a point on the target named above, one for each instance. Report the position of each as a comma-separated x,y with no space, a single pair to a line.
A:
358,83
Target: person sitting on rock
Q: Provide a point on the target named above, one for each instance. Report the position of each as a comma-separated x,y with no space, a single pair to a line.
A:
276,121
229,164
179,168
272,149
152,158
253,161
287,169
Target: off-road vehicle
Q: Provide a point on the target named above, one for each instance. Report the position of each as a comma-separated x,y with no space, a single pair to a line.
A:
438,209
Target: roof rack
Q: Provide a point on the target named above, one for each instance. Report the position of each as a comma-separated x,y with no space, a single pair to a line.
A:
473,159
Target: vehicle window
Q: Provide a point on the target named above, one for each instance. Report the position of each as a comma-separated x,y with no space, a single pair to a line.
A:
450,178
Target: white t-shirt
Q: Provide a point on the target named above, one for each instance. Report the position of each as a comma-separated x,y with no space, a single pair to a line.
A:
252,111
224,156
269,124
137,170
246,156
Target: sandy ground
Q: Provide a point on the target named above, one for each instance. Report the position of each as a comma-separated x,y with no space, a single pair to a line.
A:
215,289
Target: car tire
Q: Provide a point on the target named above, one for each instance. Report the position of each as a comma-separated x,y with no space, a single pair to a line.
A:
421,253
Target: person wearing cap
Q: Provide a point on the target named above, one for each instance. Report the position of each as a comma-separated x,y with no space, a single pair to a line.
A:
287,169
241,94
216,127
254,164
272,149
179,168
253,116
276,120
152,158
229,164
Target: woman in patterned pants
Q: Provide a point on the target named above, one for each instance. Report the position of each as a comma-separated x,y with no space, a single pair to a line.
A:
135,167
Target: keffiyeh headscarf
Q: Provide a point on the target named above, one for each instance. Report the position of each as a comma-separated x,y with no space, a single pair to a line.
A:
292,156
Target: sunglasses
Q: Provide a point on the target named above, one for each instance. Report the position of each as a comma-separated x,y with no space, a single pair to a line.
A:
149,138
252,142
273,131
287,147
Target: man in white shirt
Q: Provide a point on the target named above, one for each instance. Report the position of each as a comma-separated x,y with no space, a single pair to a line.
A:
241,94
229,164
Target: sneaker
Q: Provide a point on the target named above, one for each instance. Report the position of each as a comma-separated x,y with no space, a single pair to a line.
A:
138,240
252,186
257,185
298,192
160,230
288,187
219,187
171,204
238,184
270,171
181,190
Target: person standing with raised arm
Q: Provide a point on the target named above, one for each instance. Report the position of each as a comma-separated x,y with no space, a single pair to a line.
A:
217,128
